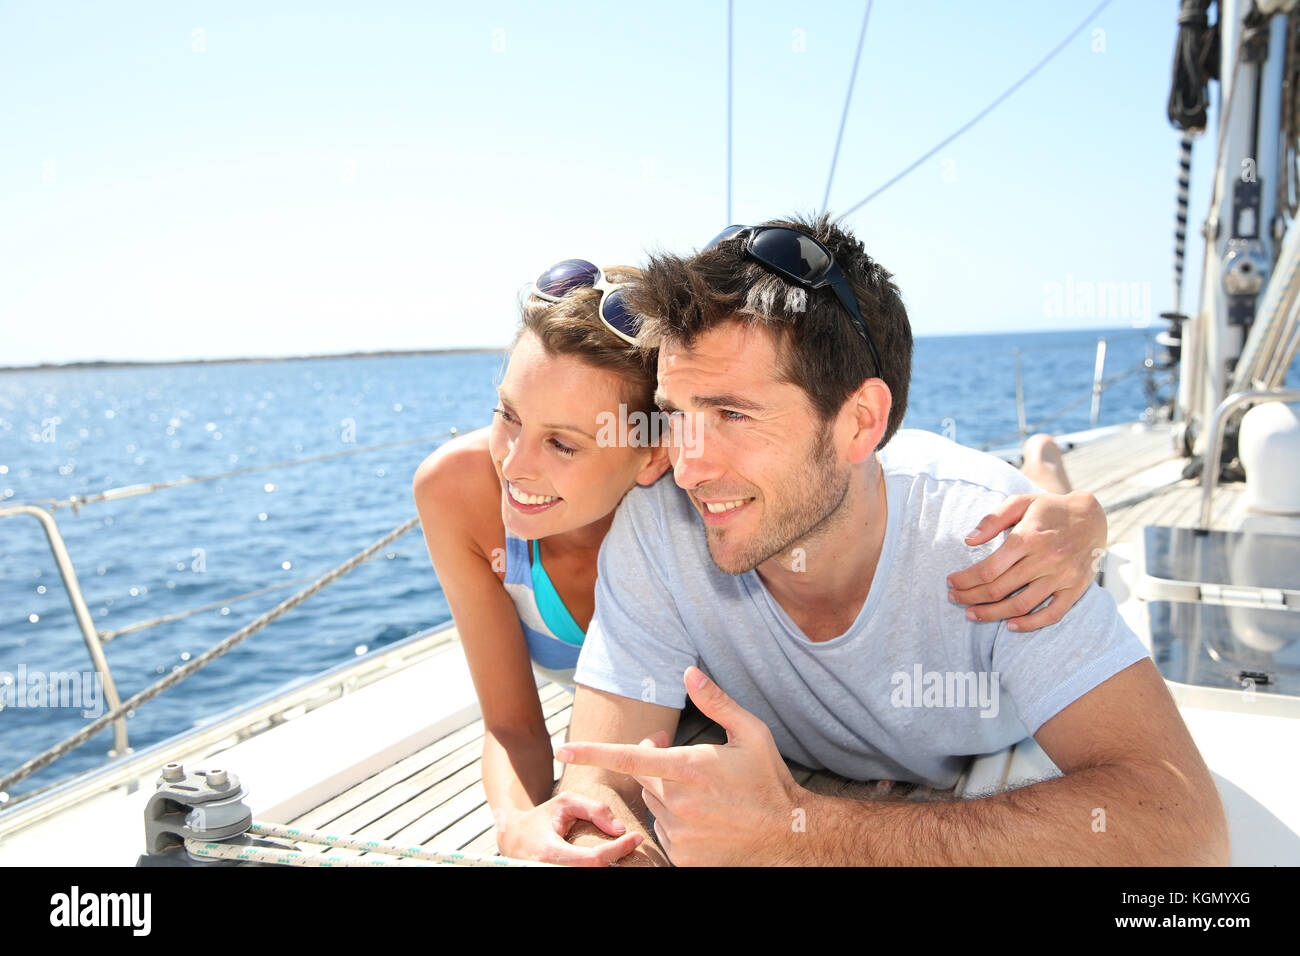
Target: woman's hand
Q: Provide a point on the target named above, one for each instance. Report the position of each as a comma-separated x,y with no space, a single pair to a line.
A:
1053,551
539,834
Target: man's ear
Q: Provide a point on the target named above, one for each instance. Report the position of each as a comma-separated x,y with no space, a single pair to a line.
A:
655,467
868,412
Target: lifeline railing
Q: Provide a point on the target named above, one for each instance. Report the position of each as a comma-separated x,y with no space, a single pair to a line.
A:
1099,384
95,639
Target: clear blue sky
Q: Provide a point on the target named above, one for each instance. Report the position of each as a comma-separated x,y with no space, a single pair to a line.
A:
203,180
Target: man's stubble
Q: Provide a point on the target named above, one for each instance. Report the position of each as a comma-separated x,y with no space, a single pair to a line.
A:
810,506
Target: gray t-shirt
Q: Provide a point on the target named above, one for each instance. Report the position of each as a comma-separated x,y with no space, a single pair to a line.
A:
910,690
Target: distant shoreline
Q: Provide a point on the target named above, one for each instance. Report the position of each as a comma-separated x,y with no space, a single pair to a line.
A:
397,353
161,363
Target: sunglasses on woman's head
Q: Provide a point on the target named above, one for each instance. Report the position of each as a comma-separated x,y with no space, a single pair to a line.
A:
564,277
802,259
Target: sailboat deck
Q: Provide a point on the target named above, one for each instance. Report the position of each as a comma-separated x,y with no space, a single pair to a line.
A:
1137,477
435,796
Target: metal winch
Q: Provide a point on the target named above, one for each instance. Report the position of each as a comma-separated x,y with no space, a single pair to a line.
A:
203,805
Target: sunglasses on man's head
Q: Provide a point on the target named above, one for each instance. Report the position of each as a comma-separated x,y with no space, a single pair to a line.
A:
802,259
564,277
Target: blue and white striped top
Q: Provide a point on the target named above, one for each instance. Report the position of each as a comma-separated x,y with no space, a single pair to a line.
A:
553,637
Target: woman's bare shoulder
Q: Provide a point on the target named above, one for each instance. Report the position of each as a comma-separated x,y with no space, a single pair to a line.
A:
460,472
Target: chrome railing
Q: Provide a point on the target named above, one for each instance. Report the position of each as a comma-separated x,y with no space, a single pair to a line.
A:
1214,446
93,645
1100,383
95,639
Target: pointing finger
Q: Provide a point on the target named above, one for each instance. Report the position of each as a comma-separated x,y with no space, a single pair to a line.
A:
669,762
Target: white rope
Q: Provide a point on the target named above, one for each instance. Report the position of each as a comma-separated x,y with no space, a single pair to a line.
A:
257,854
382,852
454,857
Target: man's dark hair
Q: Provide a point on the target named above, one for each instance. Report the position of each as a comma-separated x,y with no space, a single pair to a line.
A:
821,349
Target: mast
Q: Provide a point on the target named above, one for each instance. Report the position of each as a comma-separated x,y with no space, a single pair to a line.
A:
728,218
1244,229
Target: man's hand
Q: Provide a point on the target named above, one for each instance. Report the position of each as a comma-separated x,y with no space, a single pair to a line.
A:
539,833
1053,551
713,805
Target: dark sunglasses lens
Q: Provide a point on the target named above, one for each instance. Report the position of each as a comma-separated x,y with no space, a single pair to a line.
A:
563,277
725,235
615,311
793,253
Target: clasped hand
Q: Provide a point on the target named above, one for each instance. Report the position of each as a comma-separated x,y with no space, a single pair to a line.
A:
714,805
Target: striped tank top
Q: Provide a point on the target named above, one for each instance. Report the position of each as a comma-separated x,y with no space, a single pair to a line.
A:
552,635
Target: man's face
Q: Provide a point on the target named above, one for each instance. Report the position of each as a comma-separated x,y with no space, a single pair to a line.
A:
760,468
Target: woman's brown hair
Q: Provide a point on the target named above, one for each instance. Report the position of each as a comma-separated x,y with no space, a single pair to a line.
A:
573,327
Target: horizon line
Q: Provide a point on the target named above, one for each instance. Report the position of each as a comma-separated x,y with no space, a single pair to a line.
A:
460,350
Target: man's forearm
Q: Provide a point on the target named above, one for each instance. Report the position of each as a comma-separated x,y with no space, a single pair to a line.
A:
624,798
1096,816
603,716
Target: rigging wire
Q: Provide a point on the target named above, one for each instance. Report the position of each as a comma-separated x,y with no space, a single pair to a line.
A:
130,491
202,660
729,21
106,636
980,115
848,98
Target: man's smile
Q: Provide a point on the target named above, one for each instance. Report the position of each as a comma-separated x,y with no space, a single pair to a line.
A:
721,511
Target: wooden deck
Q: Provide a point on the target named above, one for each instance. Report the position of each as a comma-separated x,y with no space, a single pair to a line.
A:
1137,477
432,798
435,797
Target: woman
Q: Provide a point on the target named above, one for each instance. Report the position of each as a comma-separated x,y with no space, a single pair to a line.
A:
538,485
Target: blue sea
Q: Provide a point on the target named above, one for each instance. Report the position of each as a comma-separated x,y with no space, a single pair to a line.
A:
79,431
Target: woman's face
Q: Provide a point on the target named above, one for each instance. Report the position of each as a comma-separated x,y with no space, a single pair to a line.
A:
555,474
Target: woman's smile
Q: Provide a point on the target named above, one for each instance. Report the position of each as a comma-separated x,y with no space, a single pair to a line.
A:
530,503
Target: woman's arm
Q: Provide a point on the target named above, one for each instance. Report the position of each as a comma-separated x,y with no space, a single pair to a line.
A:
458,498
450,497
1054,551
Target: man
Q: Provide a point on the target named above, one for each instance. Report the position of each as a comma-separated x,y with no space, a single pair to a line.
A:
801,565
